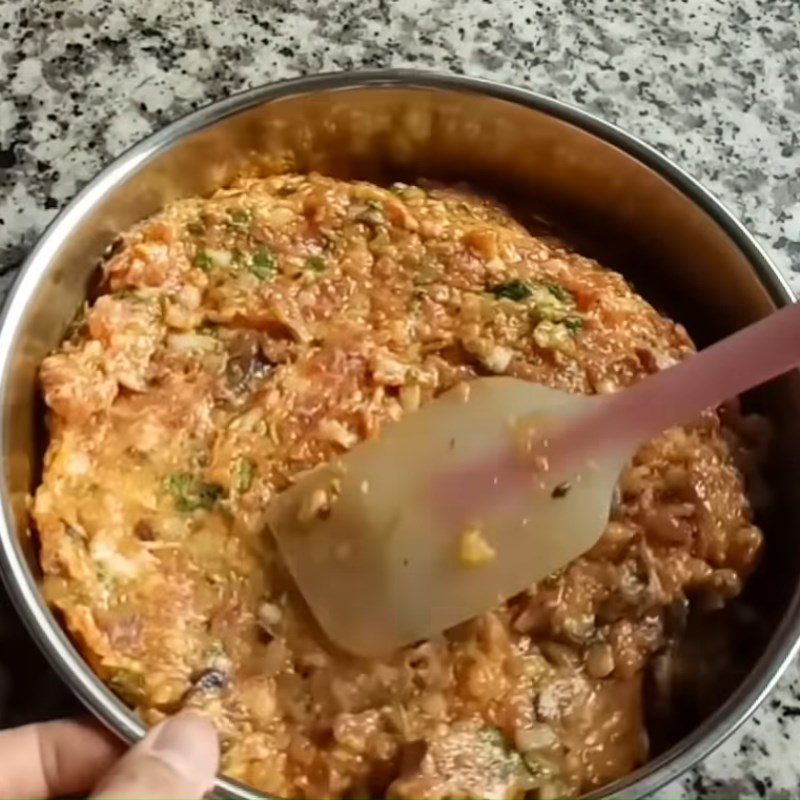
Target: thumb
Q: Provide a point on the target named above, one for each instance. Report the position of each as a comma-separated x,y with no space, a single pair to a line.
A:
177,759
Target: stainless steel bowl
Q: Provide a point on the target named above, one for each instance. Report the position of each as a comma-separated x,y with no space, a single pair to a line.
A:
617,198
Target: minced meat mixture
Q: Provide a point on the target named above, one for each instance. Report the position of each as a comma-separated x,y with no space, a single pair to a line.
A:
241,339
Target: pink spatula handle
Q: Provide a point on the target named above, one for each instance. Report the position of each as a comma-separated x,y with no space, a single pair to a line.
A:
616,425
748,358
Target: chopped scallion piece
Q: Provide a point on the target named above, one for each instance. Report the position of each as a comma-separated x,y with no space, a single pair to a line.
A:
243,473
373,213
263,264
203,260
189,493
559,292
316,263
240,218
126,683
511,290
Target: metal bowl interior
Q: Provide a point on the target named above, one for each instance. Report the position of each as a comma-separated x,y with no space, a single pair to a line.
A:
607,193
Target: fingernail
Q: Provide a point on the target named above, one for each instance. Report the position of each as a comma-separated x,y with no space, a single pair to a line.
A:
188,741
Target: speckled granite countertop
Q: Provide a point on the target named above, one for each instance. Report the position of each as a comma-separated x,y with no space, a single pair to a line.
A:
711,83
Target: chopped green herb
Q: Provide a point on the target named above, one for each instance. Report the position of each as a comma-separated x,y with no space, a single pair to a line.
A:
179,485
215,649
243,473
574,325
499,761
372,213
105,578
408,192
511,290
196,228
559,292
190,494
127,684
561,490
316,263
240,218
493,737
203,260
263,264
553,336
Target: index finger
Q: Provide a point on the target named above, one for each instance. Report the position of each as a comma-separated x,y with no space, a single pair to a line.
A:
54,759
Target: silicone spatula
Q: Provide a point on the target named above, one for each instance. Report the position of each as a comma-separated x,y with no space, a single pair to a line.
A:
487,489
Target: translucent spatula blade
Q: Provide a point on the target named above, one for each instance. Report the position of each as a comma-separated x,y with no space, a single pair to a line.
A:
388,549
386,552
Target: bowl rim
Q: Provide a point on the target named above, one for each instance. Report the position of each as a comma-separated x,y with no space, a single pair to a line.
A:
21,584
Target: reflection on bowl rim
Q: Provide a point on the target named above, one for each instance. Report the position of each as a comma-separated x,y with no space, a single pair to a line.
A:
21,585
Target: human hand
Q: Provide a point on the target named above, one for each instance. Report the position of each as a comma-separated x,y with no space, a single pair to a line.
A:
177,759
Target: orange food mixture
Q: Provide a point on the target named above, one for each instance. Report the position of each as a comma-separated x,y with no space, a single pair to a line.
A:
242,339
